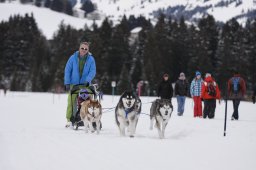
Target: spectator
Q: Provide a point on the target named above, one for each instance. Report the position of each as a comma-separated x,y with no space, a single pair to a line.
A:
165,90
254,94
210,92
181,91
236,91
195,92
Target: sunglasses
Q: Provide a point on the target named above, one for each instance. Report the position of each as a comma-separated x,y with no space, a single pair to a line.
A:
83,48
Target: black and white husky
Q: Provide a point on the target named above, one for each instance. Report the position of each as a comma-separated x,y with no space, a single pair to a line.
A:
127,113
161,111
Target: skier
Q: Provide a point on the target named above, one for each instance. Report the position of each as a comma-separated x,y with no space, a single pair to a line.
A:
80,70
181,91
195,92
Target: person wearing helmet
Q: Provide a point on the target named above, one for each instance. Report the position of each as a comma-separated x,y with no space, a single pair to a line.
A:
82,96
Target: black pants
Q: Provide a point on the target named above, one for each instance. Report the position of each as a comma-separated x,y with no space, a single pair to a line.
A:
236,103
209,108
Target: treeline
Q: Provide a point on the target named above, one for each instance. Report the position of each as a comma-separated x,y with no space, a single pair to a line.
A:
29,62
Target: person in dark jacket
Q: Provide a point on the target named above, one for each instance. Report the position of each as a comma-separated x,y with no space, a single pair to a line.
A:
181,91
254,94
236,91
165,90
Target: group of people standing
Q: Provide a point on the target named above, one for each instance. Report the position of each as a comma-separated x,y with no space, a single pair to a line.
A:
202,90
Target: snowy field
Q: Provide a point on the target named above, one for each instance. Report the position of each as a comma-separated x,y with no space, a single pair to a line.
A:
33,137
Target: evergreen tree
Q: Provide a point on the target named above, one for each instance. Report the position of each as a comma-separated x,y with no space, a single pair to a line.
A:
47,3
251,52
228,53
203,49
179,37
17,51
38,3
123,81
88,7
119,53
64,44
57,5
68,8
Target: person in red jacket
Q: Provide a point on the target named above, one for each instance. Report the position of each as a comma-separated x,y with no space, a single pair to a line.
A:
210,92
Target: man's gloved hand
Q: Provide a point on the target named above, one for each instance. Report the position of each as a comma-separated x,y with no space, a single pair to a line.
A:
67,87
87,84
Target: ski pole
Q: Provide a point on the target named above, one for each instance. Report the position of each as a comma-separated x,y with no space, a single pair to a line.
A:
226,107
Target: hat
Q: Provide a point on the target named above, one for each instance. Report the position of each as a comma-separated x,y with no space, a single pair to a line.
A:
198,73
207,75
182,74
84,94
165,75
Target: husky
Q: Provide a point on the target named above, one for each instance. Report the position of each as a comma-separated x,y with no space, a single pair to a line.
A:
91,112
161,110
127,113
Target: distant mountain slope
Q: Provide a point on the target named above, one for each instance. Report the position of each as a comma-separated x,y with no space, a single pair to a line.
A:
192,10
48,21
222,10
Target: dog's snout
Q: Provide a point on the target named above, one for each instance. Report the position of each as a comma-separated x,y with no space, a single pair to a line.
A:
166,112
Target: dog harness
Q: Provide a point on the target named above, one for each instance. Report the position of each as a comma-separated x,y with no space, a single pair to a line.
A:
127,111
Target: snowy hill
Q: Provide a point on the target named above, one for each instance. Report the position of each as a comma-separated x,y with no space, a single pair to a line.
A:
222,10
48,21
192,10
33,137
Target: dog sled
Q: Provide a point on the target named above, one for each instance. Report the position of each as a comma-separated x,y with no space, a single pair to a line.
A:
81,94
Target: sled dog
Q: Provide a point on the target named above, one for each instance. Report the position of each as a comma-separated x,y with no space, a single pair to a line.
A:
127,113
161,110
91,111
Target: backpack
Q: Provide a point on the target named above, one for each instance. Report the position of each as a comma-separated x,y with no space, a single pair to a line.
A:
236,85
211,88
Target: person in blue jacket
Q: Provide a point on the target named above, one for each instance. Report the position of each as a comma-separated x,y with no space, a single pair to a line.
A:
80,70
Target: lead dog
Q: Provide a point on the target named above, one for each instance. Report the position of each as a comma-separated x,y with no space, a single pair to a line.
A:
127,113
91,111
161,110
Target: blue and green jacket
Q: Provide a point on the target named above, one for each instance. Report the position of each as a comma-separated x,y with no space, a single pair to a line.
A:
72,75
196,87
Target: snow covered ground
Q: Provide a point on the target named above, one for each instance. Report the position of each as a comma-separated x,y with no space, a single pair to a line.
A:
33,137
